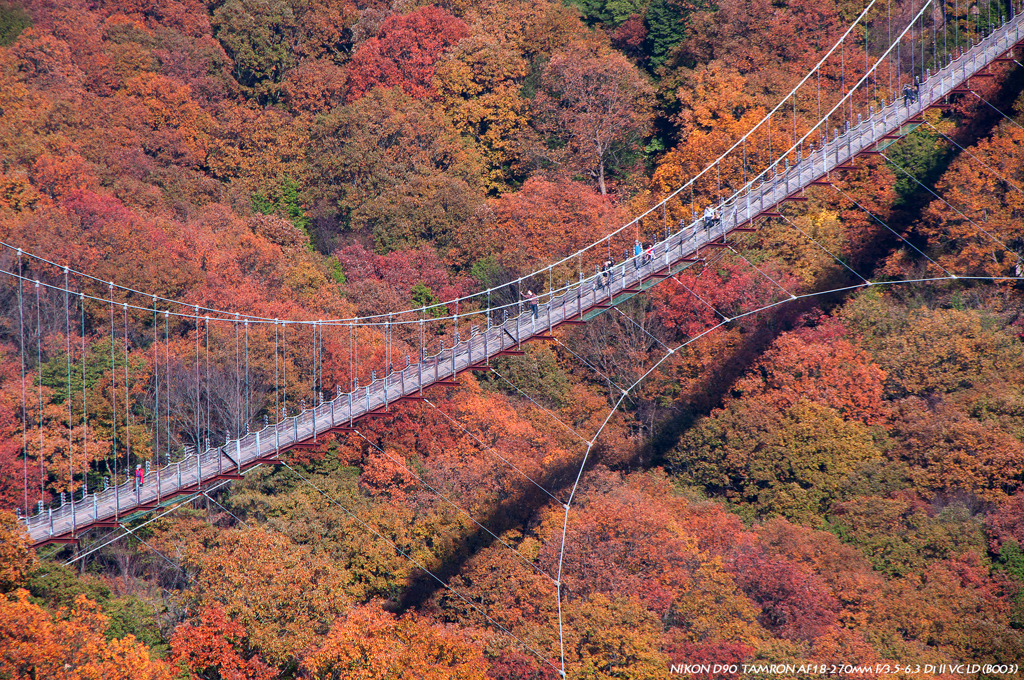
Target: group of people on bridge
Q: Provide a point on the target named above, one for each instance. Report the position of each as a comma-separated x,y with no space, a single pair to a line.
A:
911,93
641,255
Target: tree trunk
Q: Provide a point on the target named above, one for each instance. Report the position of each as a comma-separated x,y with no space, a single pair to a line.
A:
600,178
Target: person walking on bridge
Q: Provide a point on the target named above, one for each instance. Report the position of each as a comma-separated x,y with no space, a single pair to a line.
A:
140,476
531,297
710,217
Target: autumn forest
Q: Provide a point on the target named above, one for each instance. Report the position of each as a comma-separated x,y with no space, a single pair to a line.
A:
805,448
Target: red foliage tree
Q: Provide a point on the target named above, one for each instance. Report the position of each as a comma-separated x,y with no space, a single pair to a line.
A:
829,370
208,648
597,102
404,52
795,602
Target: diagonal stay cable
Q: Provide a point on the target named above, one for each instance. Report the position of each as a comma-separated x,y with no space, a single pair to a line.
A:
702,300
456,506
534,401
171,509
633,321
976,225
165,557
754,266
979,161
706,264
492,450
718,256
206,494
587,364
997,110
817,243
330,499
897,234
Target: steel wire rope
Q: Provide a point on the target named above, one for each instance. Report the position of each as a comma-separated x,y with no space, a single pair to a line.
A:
127,403
702,300
718,256
167,373
113,388
416,562
85,412
980,162
277,382
24,393
897,234
493,450
817,243
535,403
633,321
156,385
997,110
39,384
248,387
199,403
206,332
206,494
124,289
67,355
976,225
587,364
167,559
755,267
284,368
445,498
238,388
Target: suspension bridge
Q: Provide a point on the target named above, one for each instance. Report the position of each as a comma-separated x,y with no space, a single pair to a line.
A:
809,161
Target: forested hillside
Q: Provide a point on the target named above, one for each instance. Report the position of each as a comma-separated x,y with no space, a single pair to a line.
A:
833,480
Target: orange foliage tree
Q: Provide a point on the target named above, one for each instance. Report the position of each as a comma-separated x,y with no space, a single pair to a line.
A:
207,646
371,644
68,645
540,222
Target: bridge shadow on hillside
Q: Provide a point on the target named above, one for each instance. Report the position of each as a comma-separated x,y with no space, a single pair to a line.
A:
520,509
